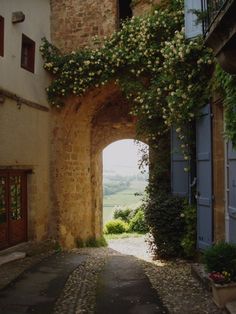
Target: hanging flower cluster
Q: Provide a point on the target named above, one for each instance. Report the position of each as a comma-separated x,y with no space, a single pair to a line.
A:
162,74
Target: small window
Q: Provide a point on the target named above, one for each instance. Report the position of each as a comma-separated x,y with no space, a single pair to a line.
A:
125,11
27,53
1,36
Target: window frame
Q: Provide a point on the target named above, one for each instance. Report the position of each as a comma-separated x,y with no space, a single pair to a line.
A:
28,46
1,36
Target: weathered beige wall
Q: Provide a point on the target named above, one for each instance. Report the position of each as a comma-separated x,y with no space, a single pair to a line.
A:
24,130
36,25
24,138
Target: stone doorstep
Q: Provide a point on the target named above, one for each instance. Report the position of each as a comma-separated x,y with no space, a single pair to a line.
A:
16,248
11,257
13,253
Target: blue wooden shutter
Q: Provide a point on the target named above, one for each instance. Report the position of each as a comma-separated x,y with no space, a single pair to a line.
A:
192,28
179,177
204,178
232,192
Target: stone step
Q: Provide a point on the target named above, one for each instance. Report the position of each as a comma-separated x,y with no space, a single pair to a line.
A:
11,257
231,307
201,275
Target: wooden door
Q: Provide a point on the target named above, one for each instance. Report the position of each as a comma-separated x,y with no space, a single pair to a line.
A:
13,207
204,179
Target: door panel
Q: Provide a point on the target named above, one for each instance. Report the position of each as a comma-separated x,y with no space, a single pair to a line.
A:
232,192
13,207
3,211
179,177
204,178
17,208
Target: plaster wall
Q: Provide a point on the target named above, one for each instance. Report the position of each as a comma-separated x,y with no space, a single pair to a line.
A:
36,25
24,138
25,129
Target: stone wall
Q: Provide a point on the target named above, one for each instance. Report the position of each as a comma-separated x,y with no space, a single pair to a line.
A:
86,125
80,131
75,22
141,7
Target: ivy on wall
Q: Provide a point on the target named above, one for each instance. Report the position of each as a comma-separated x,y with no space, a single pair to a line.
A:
225,84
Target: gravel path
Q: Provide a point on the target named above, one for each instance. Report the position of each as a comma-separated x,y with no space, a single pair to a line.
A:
179,291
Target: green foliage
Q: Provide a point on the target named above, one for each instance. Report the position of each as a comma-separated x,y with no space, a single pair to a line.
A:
58,248
123,214
221,257
123,235
225,83
133,217
167,225
99,242
188,242
92,242
138,223
163,75
116,226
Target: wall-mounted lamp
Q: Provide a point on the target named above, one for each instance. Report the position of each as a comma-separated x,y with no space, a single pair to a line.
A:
17,17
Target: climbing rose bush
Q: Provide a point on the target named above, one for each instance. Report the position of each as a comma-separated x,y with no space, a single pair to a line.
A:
164,76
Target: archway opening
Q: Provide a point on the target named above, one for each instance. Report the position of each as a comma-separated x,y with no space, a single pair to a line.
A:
125,176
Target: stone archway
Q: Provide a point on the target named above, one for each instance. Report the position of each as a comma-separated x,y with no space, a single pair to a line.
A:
79,134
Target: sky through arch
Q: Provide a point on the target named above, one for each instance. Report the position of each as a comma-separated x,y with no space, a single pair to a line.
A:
123,156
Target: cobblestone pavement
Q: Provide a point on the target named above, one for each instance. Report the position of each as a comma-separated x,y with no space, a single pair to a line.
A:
179,291
35,252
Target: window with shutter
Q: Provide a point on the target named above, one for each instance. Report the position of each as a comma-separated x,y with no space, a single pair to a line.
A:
27,53
179,176
192,27
1,36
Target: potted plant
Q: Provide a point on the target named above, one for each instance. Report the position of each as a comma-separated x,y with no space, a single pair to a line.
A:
220,261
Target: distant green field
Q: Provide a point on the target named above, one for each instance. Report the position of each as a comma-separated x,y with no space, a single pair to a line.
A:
124,198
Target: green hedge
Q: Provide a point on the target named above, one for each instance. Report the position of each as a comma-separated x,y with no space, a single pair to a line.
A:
164,215
116,226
